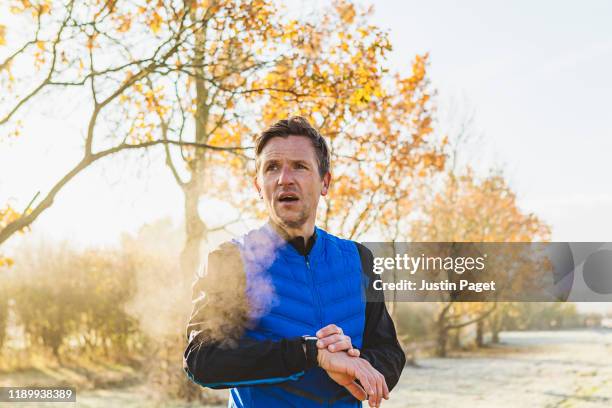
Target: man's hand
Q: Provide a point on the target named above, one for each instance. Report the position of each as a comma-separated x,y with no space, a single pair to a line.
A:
345,369
349,383
332,338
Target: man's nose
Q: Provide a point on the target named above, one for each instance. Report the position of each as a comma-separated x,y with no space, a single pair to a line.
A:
285,176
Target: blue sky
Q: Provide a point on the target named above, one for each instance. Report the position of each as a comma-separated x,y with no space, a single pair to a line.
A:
537,76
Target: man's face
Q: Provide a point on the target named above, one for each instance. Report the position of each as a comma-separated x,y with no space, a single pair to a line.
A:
289,181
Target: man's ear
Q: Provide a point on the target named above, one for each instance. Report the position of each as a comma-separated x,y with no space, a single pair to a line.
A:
326,182
256,184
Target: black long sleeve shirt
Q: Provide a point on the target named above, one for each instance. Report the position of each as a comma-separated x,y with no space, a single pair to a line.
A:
217,354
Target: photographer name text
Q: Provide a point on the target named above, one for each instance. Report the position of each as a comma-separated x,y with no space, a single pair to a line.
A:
445,285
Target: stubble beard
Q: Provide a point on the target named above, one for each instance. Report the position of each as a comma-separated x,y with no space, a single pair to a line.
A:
298,222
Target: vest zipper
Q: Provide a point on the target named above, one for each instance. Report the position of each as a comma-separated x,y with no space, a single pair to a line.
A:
314,288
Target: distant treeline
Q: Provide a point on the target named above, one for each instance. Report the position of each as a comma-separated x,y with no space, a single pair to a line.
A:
444,326
85,302
120,304
71,301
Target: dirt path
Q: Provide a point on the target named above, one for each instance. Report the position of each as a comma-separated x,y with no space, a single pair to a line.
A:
530,369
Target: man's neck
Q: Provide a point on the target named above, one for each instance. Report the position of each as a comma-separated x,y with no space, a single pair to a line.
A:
301,244
306,232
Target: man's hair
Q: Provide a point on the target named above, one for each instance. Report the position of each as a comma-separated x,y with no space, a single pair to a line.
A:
295,126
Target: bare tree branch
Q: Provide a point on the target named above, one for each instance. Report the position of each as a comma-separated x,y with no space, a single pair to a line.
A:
26,219
7,62
49,75
164,133
474,320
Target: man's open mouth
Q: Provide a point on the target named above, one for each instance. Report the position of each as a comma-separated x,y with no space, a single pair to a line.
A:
288,197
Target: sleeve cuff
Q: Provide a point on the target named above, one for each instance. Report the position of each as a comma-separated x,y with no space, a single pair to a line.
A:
293,354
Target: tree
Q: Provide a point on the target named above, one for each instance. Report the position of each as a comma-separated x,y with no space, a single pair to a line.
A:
469,209
4,311
74,45
202,78
64,297
330,71
542,316
7,216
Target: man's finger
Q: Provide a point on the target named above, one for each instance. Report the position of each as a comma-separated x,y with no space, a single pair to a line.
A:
329,330
356,391
373,393
331,339
363,378
379,389
336,342
385,388
373,400
353,352
343,344
371,377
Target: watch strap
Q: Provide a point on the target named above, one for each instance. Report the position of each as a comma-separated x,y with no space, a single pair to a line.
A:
312,352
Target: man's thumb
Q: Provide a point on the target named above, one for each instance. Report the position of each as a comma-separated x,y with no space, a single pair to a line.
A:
356,391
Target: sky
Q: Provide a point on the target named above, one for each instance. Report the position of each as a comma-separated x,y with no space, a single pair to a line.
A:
534,75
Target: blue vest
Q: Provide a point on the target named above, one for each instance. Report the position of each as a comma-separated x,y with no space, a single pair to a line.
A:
291,295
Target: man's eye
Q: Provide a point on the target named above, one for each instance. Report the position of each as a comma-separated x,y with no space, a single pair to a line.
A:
271,167
300,166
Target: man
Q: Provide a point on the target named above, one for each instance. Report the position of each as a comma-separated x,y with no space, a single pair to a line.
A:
281,315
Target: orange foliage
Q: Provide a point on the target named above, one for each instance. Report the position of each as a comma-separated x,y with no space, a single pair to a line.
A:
217,72
473,210
2,34
7,215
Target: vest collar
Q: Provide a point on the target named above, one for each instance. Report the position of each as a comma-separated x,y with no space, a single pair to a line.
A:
294,247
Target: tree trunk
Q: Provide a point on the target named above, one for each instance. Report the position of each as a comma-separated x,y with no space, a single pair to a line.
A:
480,333
195,230
442,342
456,339
496,325
442,332
495,336
4,312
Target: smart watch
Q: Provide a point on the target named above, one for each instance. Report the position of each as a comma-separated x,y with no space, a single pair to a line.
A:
312,352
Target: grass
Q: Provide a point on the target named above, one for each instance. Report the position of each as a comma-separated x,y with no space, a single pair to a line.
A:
40,370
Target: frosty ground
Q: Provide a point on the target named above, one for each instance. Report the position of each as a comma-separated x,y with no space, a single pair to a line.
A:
529,369
554,369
